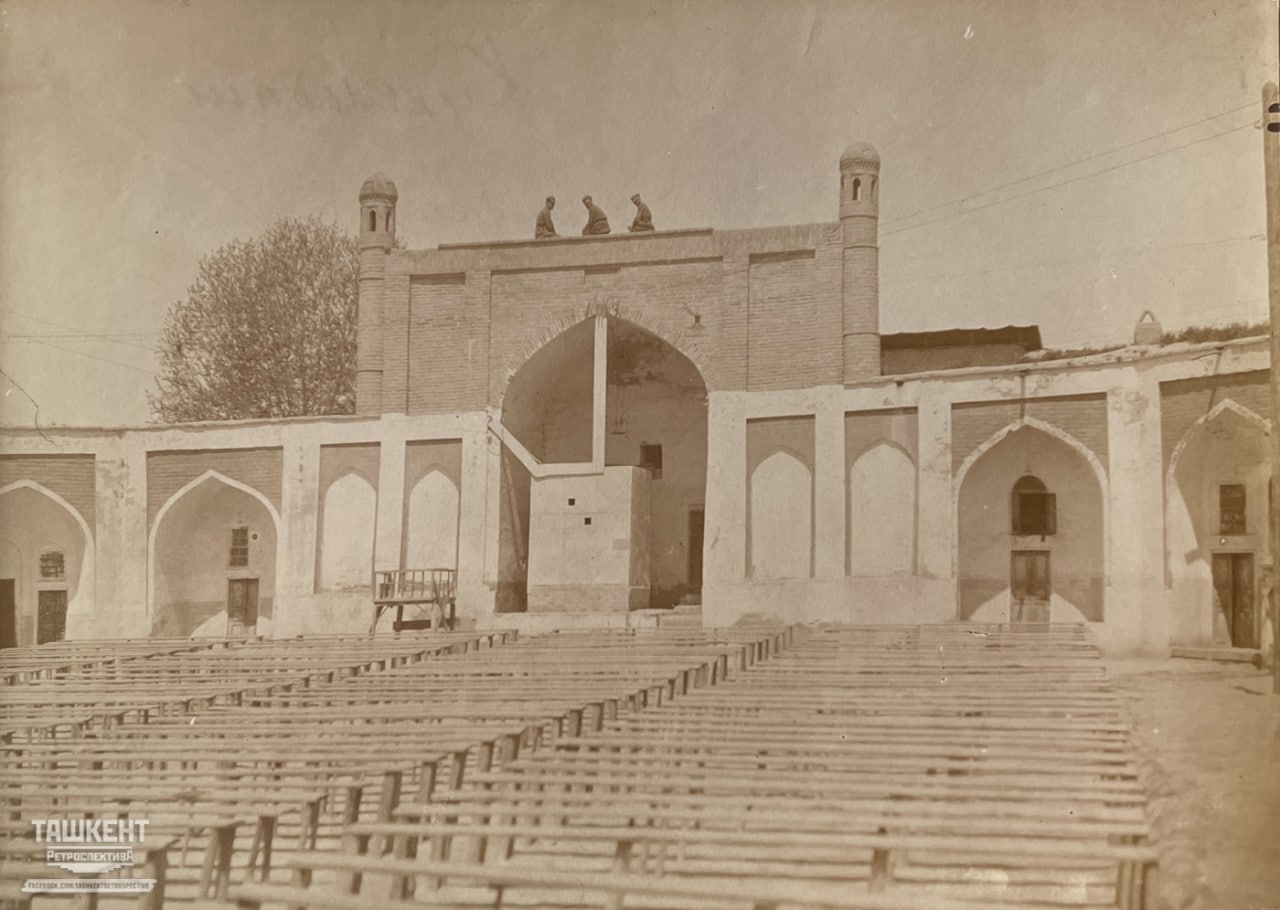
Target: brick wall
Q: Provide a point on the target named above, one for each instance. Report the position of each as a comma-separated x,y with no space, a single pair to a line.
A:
1185,401
168,472
70,476
794,319
458,322
447,346
336,460
1083,417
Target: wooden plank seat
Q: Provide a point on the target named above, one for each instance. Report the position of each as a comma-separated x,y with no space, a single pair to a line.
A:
668,845
574,889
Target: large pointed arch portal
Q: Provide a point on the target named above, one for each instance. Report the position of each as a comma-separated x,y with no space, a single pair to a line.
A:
604,473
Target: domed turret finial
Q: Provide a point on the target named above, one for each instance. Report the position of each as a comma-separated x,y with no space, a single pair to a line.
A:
378,213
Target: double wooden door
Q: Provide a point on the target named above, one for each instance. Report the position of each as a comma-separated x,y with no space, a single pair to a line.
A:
1029,586
1234,599
242,606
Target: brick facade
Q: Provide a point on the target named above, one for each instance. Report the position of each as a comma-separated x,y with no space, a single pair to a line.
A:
1084,417
1185,401
70,476
168,472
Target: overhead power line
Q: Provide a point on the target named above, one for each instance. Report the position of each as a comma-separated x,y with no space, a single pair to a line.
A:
127,366
112,337
1071,164
1061,183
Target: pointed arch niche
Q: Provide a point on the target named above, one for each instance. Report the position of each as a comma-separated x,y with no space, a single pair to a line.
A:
882,511
433,475
346,517
780,498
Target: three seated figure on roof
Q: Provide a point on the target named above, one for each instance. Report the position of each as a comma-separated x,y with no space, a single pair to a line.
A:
644,218
597,221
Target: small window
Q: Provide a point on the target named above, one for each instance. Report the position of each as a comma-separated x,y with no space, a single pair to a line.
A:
1231,517
651,458
373,220
53,564
1033,509
857,189
239,547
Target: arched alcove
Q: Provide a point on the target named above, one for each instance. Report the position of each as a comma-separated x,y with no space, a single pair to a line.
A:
347,521
780,485
51,599
213,559
654,417
997,568
882,512
548,402
1216,528
431,540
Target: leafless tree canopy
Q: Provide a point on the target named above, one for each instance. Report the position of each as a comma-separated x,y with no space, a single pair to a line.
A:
267,330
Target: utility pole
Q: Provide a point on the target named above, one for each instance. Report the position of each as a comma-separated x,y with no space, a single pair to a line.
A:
1271,157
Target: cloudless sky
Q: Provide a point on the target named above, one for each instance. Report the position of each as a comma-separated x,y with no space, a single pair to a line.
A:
1068,164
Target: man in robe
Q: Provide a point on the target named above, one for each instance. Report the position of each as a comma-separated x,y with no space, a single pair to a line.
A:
644,218
597,222
544,227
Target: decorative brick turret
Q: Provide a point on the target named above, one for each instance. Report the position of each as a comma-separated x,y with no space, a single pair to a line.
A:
377,236
859,223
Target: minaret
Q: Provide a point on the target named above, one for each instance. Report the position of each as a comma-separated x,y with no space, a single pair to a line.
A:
377,236
859,225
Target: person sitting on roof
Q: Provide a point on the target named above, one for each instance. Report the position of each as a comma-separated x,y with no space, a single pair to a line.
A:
597,221
644,218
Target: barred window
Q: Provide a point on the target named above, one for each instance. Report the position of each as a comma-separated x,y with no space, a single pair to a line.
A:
239,547
53,564
1231,511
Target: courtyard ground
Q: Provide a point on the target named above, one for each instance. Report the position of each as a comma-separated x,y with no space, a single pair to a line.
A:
1208,735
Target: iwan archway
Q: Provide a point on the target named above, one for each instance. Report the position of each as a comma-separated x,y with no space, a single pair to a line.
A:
1031,528
604,473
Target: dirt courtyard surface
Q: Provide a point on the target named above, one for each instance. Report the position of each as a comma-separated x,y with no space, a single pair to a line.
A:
1208,738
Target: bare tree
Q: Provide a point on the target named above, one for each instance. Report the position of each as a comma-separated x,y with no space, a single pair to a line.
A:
267,330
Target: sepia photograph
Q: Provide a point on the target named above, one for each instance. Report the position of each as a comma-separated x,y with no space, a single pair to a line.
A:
639,454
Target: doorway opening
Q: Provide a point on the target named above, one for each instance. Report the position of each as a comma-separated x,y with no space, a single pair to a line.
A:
1029,586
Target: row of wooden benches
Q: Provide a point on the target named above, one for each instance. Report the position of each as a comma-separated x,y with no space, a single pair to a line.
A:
293,762
942,767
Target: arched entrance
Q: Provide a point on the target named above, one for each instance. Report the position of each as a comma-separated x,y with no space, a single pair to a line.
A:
603,396
1031,529
213,560
46,566
1217,534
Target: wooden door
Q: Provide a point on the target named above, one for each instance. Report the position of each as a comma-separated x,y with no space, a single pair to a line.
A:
1029,586
1234,597
51,616
697,518
8,613
242,606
